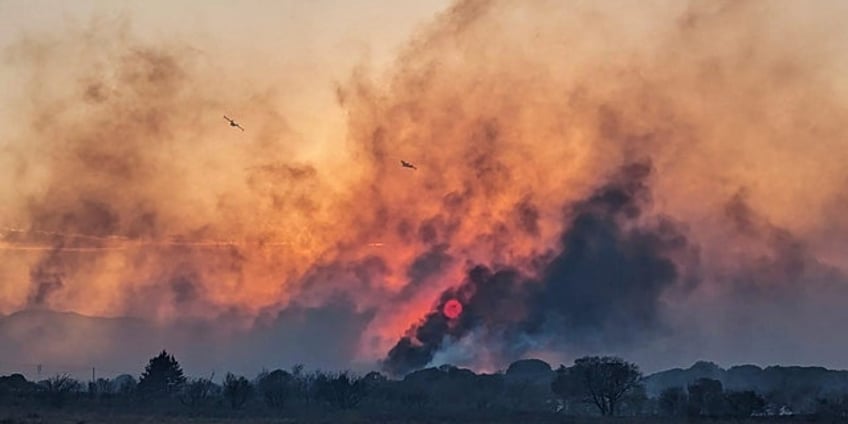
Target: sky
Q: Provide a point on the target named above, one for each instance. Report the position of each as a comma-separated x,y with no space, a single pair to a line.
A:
300,48
658,180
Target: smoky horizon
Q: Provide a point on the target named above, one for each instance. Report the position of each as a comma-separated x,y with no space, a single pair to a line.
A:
474,182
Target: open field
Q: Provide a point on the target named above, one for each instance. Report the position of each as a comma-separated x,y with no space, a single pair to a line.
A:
82,417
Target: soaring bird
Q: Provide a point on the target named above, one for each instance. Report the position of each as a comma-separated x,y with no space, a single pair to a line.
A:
233,123
406,164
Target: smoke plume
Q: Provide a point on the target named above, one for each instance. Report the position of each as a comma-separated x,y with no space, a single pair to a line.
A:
592,178
605,284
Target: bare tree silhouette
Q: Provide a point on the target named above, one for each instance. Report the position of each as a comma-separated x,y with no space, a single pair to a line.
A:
602,381
196,392
237,390
59,388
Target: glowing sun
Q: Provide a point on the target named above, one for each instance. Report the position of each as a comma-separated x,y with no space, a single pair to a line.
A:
452,309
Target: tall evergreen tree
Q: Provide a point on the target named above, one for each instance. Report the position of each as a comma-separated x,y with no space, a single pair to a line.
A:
162,376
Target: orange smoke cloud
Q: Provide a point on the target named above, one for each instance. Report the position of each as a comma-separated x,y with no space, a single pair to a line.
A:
149,205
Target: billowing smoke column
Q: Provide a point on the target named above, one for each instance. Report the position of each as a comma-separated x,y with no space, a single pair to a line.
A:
606,283
531,225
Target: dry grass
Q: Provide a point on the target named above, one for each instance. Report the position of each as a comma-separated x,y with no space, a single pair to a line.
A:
82,417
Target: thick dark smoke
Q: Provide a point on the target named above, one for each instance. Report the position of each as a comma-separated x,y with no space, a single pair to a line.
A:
606,284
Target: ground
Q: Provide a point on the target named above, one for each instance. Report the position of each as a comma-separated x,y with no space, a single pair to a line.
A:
8,416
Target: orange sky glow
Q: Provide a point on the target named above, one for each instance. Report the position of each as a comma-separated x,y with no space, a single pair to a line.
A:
124,192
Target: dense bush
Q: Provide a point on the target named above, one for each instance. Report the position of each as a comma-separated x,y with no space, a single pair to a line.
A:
276,388
196,393
341,390
237,390
58,389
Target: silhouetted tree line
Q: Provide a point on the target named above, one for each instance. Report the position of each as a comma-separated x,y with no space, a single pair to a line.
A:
707,397
603,386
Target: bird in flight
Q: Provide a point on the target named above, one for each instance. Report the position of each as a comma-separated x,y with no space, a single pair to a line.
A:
233,123
406,164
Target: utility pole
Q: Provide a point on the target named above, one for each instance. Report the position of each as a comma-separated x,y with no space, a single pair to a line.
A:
38,372
93,379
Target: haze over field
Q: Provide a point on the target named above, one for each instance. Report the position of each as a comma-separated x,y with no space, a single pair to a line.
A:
662,180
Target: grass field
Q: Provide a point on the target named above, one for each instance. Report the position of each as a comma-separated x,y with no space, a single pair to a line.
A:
8,416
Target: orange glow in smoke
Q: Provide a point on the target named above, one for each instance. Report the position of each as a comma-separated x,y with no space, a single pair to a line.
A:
506,139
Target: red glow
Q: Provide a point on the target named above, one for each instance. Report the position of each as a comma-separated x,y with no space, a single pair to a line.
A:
452,309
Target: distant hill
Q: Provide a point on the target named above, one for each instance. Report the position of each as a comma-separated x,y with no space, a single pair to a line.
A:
67,342
752,377
53,339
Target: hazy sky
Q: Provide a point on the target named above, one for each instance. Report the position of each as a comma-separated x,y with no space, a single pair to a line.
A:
302,46
660,179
